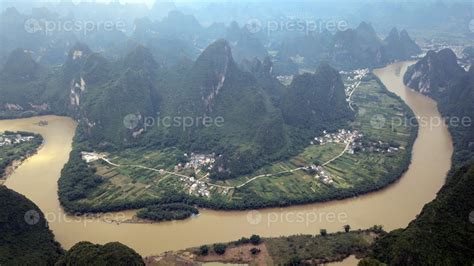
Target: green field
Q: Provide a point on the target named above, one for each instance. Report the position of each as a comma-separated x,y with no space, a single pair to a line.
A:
352,174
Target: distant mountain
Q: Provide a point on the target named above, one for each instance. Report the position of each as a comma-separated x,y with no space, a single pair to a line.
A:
245,45
441,234
399,45
468,55
349,49
23,84
439,76
261,120
25,236
433,74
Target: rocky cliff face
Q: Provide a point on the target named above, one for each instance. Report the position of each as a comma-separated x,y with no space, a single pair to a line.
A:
434,73
439,76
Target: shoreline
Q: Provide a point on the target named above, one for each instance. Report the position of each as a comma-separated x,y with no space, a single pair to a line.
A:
10,169
393,206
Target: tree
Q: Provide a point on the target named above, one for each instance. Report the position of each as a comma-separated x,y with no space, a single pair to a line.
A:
220,248
255,239
204,250
323,232
347,228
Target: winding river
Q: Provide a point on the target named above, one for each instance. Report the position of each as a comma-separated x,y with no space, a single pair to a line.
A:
393,207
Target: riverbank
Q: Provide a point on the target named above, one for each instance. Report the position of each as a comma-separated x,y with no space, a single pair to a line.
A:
311,249
394,207
15,154
360,159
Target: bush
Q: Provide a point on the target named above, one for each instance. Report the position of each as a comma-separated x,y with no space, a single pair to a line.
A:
347,228
220,248
203,250
323,232
255,239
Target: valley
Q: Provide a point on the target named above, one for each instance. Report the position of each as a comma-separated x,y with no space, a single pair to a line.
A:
374,208
335,165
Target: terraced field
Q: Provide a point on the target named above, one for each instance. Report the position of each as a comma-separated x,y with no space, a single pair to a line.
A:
284,182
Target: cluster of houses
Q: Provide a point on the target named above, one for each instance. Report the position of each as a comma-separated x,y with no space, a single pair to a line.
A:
197,162
196,186
200,161
321,175
354,78
344,136
6,140
373,146
285,79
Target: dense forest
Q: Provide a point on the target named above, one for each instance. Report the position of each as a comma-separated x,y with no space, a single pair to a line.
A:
25,237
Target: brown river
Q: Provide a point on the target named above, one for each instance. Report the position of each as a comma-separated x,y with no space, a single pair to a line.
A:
393,207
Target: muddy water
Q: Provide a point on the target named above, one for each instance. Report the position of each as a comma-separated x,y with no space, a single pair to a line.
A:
393,207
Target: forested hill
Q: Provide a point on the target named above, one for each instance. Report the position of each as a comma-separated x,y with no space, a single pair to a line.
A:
439,76
25,239
442,234
24,234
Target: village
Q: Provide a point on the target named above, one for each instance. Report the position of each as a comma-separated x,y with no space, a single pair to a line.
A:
6,140
355,143
374,147
345,136
354,78
196,163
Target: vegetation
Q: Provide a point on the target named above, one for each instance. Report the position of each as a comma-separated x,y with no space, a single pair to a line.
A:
27,240
219,248
440,77
323,232
111,254
167,212
255,239
204,250
104,187
319,249
441,234
25,236
17,151
347,228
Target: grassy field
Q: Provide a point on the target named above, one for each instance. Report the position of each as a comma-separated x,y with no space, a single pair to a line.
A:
352,174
